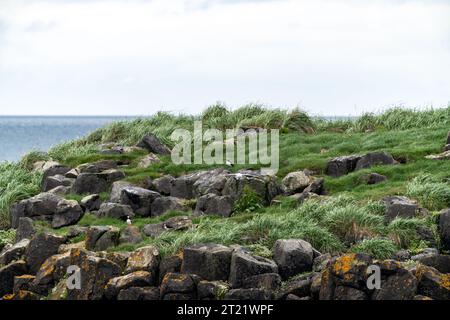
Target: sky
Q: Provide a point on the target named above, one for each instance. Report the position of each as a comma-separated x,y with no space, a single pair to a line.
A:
136,57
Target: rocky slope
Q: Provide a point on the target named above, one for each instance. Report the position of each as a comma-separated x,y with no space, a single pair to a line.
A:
35,266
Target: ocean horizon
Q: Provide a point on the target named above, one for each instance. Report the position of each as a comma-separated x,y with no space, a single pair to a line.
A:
22,134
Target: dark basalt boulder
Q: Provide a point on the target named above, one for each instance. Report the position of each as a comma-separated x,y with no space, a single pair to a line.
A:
54,169
349,293
91,202
249,294
52,182
153,144
264,185
164,184
295,182
134,279
42,206
374,159
115,210
399,206
7,274
213,204
139,199
171,264
267,281
14,252
100,238
116,190
212,181
95,274
350,270
144,259
374,178
444,229
340,166
41,247
23,282
162,205
25,229
432,283
293,256
209,261
299,287
50,273
68,212
243,265
91,183
402,285
130,234
139,294
174,284
440,262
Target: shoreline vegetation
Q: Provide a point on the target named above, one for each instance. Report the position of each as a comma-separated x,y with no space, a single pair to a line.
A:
346,216
305,143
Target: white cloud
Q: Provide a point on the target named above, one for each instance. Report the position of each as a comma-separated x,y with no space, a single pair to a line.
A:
136,57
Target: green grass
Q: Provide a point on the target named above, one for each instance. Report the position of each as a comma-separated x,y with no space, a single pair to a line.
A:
377,248
16,183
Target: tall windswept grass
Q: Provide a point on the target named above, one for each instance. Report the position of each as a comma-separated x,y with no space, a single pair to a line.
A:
429,191
402,119
16,183
396,118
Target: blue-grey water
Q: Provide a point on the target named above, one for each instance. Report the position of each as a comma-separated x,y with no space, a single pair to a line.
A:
21,134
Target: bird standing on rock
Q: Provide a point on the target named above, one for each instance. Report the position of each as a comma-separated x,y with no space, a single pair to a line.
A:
128,221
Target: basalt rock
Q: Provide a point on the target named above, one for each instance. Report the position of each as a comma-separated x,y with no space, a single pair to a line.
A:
164,184
209,261
342,165
115,210
25,229
293,256
42,207
398,206
52,182
144,259
7,274
68,212
100,238
432,283
153,144
41,247
134,279
139,294
444,228
374,159
95,274
176,285
243,265
139,199
91,202
295,182
96,182
213,204
14,252
162,205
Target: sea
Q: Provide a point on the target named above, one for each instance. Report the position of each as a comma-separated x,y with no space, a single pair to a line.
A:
22,134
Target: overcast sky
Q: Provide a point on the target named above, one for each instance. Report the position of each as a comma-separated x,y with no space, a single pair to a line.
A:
330,57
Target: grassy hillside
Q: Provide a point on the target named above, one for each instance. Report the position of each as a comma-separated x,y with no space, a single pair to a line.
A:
351,213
